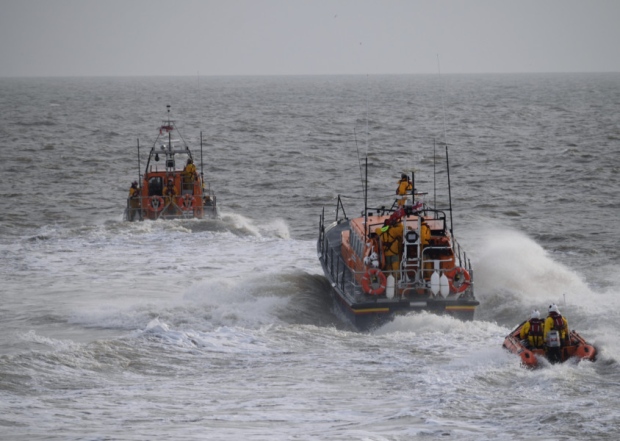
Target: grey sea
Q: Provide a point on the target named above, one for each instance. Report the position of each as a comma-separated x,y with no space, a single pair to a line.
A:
224,329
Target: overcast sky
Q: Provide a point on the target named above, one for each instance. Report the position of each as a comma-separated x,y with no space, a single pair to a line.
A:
282,37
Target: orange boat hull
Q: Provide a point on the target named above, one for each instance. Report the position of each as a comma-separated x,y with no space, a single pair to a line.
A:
577,348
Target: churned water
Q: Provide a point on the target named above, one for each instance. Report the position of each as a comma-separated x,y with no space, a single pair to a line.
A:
224,329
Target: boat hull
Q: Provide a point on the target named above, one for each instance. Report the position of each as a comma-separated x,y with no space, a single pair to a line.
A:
366,316
144,211
365,311
577,348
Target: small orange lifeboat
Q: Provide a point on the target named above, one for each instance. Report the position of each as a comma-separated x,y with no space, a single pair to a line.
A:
577,347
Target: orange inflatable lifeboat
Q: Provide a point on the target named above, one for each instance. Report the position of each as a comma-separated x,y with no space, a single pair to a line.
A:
577,347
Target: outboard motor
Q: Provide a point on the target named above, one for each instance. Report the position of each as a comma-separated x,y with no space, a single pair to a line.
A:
553,346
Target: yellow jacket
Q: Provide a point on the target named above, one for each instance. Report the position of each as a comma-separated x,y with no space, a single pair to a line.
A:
404,187
550,325
134,199
425,234
189,172
391,239
169,191
536,341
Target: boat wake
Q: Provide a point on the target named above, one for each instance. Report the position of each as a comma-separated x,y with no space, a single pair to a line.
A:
515,274
252,302
243,226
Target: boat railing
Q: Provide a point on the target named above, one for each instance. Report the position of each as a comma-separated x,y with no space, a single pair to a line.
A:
416,268
410,282
340,206
340,273
137,207
321,242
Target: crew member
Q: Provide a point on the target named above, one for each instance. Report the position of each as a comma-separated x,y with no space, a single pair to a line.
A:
532,330
555,322
428,256
169,193
189,175
425,234
391,237
134,201
404,188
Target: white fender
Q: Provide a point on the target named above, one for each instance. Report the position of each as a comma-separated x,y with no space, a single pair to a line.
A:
444,285
389,287
435,283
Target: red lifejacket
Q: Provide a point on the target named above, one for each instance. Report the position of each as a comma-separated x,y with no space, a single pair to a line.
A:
558,322
536,328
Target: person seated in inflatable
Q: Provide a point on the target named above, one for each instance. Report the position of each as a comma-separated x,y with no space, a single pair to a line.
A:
532,331
555,333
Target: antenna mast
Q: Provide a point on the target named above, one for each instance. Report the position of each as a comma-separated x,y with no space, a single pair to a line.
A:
366,200
139,176
434,174
449,193
445,140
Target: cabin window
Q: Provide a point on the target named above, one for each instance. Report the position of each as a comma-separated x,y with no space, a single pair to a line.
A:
356,244
156,186
360,246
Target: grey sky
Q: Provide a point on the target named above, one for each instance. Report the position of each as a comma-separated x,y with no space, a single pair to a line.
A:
250,37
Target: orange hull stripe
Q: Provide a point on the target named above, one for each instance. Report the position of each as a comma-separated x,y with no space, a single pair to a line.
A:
370,311
460,308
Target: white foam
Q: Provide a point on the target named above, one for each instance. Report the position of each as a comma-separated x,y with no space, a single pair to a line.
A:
510,260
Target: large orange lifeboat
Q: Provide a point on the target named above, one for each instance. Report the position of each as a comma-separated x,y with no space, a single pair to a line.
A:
394,261
172,160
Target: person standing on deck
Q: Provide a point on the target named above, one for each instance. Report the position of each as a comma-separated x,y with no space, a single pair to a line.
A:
134,202
404,188
169,195
391,237
189,175
425,234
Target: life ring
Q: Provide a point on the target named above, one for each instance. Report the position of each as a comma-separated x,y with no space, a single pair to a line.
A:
186,202
156,203
459,279
374,282
412,236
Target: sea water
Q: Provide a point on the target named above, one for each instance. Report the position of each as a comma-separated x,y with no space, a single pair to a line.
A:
225,329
